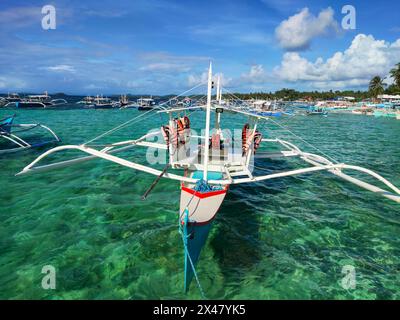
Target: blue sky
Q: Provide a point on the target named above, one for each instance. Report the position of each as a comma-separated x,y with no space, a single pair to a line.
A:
161,47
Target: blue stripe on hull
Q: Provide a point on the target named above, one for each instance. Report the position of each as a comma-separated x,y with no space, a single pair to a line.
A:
197,237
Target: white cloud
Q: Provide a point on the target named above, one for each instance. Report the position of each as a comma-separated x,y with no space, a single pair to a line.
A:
62,68
297,32
255,75
365,58
194,79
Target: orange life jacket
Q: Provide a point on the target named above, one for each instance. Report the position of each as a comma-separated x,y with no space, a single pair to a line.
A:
257,140
216,141
244,138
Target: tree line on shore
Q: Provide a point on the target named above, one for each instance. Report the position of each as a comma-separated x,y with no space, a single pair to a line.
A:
376,87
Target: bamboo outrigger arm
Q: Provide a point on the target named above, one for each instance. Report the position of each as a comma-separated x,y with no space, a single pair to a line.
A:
318,163
20,143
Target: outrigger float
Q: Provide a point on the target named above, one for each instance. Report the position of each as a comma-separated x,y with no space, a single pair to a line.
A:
9,129
209,167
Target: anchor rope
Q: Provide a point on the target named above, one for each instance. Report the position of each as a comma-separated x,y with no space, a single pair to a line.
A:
192,265
185,245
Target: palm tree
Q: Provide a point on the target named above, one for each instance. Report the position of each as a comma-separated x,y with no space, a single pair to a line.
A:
395,73
376,86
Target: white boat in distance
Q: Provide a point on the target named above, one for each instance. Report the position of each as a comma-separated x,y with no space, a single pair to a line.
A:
9,131
39,101
88,100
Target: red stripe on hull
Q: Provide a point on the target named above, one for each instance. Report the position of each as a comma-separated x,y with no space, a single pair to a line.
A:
202,196
205,194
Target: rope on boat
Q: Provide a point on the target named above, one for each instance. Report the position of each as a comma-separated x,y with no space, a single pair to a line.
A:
286,129
306,142
184,235
160,106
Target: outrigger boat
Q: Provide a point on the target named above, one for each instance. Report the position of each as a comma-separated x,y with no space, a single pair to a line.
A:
13,97
8,130
145,104
123,101
210,167
104,103
10,100
39,101
316,111
87,101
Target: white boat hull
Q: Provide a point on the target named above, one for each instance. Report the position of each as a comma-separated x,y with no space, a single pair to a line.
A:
202,206
197,211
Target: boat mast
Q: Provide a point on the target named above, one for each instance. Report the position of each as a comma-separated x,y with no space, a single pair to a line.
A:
207,133
217,95
218,115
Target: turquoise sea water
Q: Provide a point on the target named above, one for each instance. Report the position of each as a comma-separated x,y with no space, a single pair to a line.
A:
281,239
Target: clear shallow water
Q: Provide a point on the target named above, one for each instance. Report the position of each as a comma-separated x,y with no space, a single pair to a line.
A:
283,239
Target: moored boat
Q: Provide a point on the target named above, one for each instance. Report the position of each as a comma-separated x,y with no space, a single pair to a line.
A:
103,103
206,165
199,204
39,101
123,101
144,104
316,111
364,110
11,142
13,97
87,101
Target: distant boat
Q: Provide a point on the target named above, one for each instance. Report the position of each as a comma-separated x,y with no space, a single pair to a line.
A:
185,103
8,134
123,101
146,104
388,110
103,103
266,108
39,101
364,110
316,111
270,113
87,101
9,100
13,97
